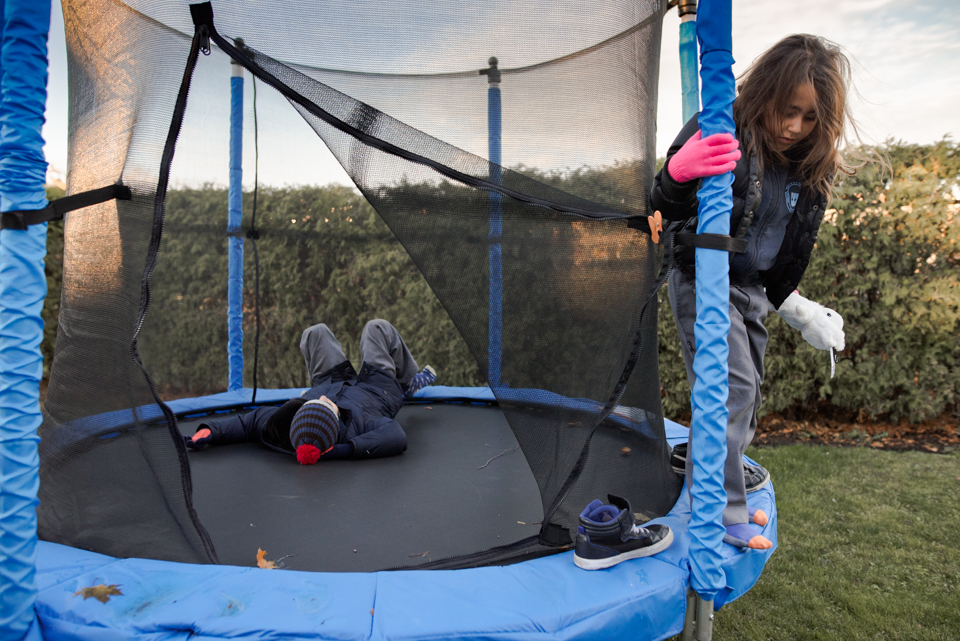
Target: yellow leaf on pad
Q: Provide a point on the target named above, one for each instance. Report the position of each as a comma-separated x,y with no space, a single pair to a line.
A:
101,593
263,563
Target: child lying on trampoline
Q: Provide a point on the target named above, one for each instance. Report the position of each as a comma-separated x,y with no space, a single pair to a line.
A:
344,415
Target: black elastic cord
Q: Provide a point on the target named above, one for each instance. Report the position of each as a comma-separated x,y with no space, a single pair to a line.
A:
56,210
713,241
176,122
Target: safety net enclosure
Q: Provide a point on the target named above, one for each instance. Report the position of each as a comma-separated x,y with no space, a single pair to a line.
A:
211,217
517,187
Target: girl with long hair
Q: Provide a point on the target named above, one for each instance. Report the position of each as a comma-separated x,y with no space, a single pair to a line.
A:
791,115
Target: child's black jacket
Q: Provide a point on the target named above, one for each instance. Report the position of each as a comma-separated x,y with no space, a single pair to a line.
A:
368,403
677,202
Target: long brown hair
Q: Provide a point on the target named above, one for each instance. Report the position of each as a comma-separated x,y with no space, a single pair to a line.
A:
765,91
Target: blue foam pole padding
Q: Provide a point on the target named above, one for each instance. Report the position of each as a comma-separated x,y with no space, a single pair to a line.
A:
709,398
23,286
689,81
235,259
495,314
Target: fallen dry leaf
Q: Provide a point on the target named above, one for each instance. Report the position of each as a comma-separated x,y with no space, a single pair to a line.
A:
371,611
262,562
101,593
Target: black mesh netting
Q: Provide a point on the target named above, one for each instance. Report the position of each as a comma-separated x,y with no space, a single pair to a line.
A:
438,240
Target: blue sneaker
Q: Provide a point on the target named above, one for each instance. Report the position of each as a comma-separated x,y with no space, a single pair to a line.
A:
421,380
608,535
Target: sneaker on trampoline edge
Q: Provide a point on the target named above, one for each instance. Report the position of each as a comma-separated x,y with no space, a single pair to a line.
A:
421,380
678,458
755,477
608,535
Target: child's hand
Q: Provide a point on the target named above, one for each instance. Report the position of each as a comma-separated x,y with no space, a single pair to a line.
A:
199,440
821,327
701,157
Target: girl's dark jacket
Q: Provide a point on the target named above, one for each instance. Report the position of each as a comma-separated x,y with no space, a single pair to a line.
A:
368,403
677,202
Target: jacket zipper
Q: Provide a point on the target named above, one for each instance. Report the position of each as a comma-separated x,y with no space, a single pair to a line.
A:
761,226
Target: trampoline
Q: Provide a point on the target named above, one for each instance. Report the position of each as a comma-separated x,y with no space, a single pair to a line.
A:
539,598
524,213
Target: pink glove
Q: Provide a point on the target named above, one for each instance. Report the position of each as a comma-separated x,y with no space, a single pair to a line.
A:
711,156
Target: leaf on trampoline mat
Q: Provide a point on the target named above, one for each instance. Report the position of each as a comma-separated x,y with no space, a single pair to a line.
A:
263,563
101,593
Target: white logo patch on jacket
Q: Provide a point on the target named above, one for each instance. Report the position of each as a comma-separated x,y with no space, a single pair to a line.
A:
792,195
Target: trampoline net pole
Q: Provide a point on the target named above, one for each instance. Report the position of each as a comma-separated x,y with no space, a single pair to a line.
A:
708,496
689,78
23,287
495,313
235,241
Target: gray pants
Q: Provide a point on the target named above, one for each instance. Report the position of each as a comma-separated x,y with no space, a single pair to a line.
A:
748,342
380,346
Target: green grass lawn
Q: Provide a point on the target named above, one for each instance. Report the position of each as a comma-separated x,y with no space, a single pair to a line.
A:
869,548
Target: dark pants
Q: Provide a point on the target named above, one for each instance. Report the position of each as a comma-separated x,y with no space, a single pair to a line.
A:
380,346
748,342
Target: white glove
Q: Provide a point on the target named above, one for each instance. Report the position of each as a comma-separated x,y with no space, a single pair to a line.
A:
820,326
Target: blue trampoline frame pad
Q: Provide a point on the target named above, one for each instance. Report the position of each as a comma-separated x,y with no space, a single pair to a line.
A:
545,598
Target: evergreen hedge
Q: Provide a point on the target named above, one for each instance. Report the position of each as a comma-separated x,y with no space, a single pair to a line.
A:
887,259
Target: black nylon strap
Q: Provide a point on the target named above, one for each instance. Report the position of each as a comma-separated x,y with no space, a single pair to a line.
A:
20,220
713,241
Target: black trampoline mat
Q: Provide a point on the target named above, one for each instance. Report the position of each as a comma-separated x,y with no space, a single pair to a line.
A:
443,497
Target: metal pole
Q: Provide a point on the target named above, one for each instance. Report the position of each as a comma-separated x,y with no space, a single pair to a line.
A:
23,287
698,621
689,78
234,218
704,619
495,322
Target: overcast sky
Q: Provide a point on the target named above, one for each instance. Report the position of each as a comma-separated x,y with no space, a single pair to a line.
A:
905,55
